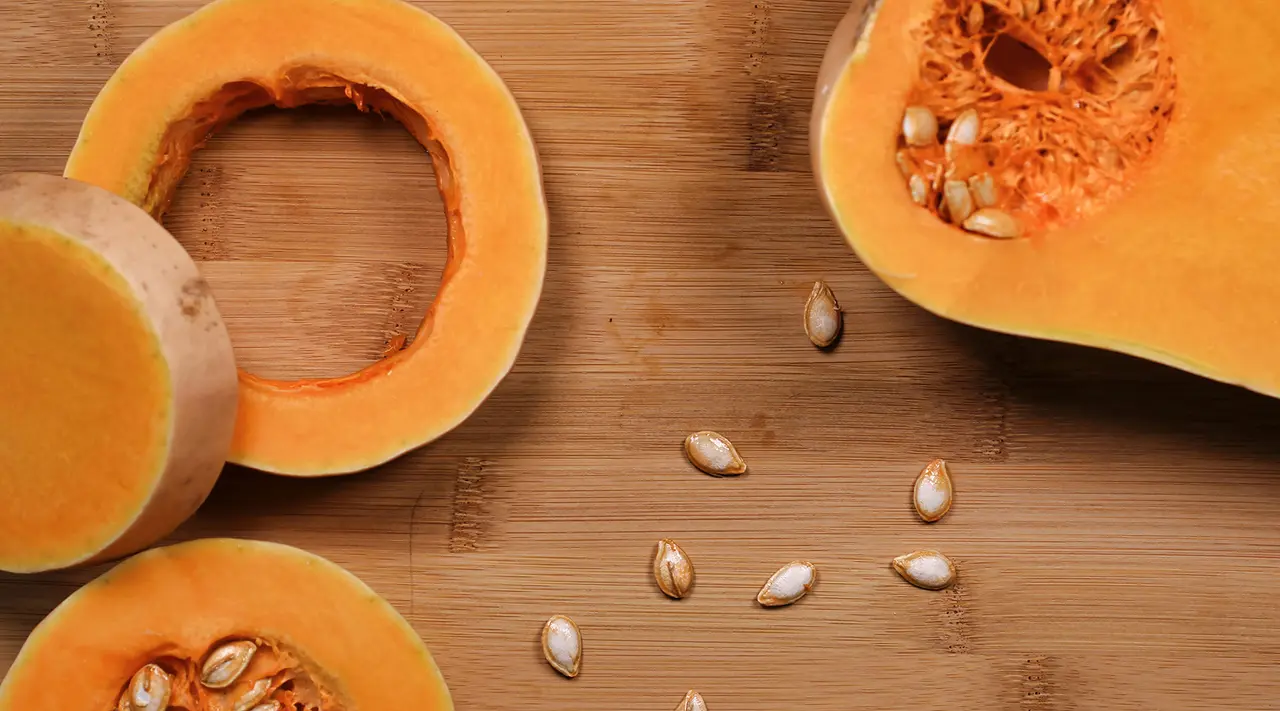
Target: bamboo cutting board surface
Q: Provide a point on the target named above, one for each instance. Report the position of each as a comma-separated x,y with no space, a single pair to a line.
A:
1116,522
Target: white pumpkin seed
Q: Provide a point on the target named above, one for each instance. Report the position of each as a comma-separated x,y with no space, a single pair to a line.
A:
792,582
692,702
926,569
919,126
933,491
919,189
226,663
983,188
562,645
904,164
959,201
149,689
822,317
965,129
254,695
993,223
672,569
714,454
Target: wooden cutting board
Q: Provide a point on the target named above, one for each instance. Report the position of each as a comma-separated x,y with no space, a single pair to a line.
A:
1117,523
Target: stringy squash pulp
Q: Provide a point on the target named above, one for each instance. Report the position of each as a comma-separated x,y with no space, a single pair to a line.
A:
1097,171
202,72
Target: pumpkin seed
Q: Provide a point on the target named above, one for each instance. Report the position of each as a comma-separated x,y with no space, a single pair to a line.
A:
822,317
919,189
926,569
993,223
919,126
714,454
933,491
1030,7
904,164
692,702
672,569
792,582
965,129
254,695
226,663
959,201
150,688
562,645
983,188
976,17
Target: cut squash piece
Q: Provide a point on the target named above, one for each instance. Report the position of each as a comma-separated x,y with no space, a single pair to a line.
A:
220,624
383,55
1100,172
117,380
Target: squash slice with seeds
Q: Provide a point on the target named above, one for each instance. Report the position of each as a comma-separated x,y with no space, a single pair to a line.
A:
1121,170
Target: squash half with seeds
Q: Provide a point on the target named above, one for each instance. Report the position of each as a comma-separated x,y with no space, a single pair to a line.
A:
1101,172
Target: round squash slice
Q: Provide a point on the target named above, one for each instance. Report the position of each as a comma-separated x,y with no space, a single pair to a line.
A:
117,380
383,55
1102,172
220,625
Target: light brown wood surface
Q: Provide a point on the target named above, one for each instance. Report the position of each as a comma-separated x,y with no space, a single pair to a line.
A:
1117,523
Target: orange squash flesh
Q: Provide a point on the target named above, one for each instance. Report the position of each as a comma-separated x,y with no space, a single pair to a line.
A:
1179,269
117,382
201,72
326,640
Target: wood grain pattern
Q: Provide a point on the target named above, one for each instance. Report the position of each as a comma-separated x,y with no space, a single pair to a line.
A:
1115,522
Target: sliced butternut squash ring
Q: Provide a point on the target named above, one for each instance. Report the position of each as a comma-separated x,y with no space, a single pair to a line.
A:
1133,142
117,379
219,624
383,55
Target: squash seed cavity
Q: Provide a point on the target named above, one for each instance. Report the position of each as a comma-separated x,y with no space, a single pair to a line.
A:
1049,110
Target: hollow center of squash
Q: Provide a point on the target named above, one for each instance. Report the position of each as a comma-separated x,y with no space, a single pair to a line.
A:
1031,114
367,298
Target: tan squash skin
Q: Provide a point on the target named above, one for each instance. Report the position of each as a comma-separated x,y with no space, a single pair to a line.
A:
1180,270
175,300
172,605
384,55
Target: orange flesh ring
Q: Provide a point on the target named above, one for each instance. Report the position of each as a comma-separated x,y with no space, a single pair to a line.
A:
381,55
1074,97
82,375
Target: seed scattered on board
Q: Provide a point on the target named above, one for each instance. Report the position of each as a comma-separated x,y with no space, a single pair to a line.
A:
692,702
714,454
933,491
792,582
672,569
823,319
926,569
562,645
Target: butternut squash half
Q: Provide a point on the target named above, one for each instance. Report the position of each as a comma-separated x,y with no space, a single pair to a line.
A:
1102,172
221,624
198,74
117,379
